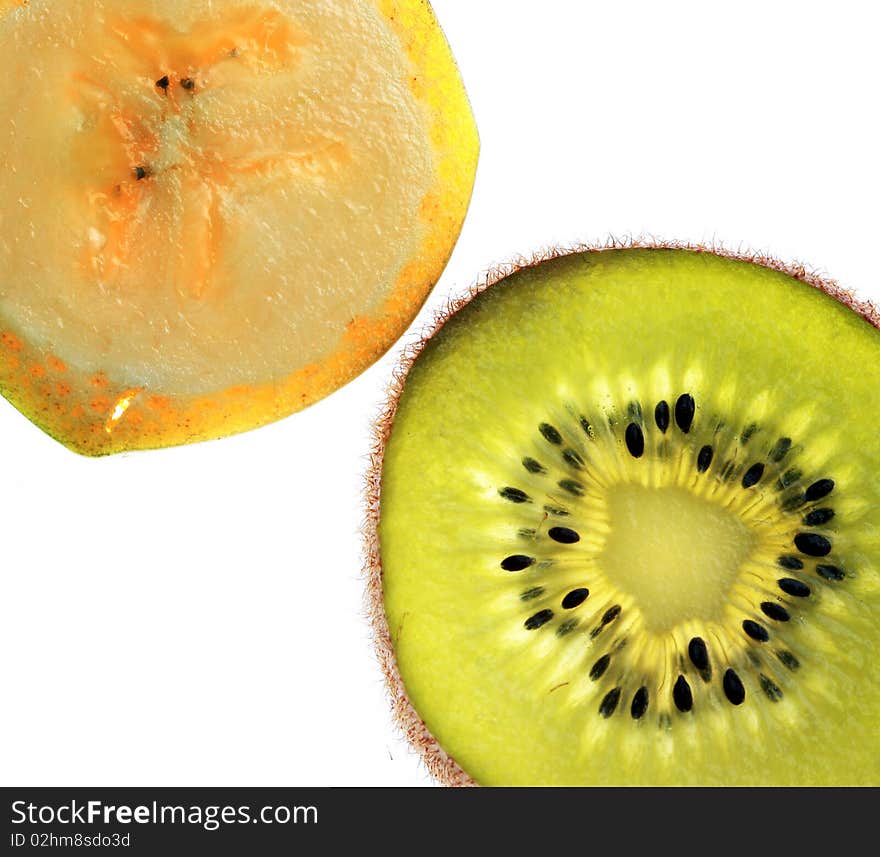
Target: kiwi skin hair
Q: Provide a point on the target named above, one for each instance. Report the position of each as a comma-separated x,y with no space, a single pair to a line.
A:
441,765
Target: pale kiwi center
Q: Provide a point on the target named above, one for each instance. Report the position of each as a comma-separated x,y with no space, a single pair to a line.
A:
675,553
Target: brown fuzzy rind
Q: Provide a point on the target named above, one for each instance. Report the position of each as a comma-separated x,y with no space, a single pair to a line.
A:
441,765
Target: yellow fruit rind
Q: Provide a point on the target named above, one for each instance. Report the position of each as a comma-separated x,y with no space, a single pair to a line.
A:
440,764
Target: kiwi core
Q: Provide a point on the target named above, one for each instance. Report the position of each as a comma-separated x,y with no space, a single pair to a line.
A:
697,549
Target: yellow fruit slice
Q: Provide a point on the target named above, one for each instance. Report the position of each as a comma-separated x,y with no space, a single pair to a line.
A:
213,214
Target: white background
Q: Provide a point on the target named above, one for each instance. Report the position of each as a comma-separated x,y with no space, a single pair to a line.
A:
194,616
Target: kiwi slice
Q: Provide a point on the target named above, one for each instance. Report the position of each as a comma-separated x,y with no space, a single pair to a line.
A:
624,527
216,212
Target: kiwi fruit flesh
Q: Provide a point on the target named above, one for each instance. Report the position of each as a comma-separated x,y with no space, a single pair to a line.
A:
216,212
624,527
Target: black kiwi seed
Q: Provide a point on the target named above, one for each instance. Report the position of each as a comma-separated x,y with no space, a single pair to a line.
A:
733,688
818,517
748,433
789,478
515,495
819,489
610,615
793,587
793,502
551,435
517,562
163,82
775,611
661,416
572,458
598,669
704,459
588,429
563,535
788,659
609,703
566,627
774,694
792,563
188,84
141,172
542,617
572,487
681,694
699,655
753,475
783,445
575,598
531,594
812,544
635,440
533,466
685,408
755,631
556,511
639,703
830,572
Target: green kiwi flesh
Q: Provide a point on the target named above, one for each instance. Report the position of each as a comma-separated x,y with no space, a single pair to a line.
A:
625,527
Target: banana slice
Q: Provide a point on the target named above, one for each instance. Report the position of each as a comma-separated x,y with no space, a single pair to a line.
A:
213,214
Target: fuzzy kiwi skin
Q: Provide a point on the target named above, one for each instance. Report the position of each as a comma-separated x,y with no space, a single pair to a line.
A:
442,766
